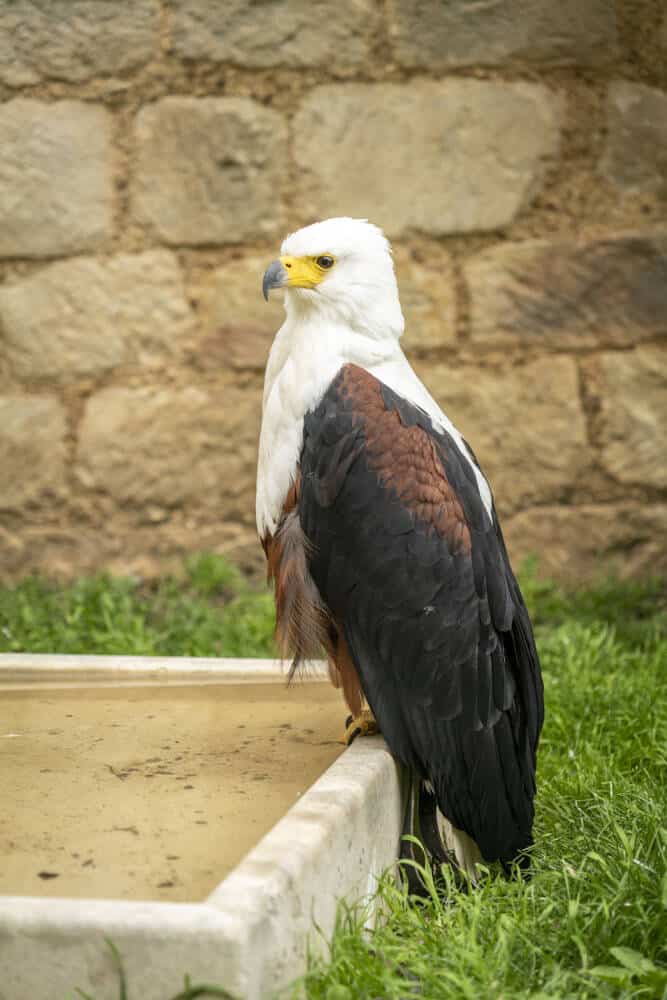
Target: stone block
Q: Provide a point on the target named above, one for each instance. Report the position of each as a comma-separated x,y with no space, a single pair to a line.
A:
447,157
87,316
575,544
274,33
182,446
428,297
210,170
238,324
437,35
55,178
525,424
75,40
633,415
635,155
32,449
123,545
569,293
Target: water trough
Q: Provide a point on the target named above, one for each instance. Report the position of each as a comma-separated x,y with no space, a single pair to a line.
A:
196,812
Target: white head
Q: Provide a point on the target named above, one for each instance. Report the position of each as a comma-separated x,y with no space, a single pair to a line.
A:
339,272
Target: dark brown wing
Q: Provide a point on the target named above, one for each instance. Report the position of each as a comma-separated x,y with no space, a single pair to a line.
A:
406,557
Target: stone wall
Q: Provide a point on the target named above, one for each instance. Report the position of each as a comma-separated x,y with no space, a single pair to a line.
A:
154,152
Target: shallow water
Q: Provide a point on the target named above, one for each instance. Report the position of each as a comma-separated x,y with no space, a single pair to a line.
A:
152,792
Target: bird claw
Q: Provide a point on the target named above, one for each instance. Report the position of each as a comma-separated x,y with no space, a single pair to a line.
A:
363,724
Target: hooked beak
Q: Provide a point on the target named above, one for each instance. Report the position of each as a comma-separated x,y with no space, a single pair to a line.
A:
275,276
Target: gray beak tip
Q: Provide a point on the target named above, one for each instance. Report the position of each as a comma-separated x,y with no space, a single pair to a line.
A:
275,276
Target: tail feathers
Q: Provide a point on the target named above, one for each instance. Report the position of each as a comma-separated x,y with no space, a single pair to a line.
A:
464,848
423,821
440,842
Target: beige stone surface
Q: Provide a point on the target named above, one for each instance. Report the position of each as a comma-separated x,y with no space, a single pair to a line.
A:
274,33
447,157
253,935
210,170
238,324
117,793
75,40
152,156
633,415
173,446
125,543
55,177
635,155
428,297
88,316
575,544
431,34
569,293
525,425
32,449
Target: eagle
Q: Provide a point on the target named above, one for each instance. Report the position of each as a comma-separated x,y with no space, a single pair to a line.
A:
384,549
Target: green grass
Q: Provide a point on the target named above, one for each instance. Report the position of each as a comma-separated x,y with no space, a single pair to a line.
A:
593,920
207,610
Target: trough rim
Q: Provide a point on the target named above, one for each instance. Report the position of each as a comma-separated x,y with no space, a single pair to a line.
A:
267,906
62,669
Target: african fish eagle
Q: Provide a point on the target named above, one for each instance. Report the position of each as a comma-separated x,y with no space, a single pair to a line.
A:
384,547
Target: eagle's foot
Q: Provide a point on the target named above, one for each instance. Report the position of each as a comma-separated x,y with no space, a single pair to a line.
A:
364,724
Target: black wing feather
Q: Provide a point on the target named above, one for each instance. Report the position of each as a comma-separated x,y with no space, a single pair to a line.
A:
440,637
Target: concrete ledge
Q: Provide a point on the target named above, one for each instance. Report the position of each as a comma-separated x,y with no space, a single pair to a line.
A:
334,844
251,935
43,668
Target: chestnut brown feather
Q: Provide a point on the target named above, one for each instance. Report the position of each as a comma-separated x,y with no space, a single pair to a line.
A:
302,620
405,459
343,673
304,626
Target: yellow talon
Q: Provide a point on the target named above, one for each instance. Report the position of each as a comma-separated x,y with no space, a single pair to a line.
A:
363,724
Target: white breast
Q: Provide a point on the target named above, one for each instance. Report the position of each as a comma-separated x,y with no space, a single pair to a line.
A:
297,376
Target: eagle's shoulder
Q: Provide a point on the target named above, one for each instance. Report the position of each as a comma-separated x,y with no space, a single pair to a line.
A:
420,466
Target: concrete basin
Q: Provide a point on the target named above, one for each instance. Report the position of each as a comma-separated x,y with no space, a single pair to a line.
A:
199,813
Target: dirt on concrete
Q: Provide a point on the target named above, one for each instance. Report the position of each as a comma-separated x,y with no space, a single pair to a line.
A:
152,793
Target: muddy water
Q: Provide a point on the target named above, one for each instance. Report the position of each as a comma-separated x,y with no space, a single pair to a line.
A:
151,793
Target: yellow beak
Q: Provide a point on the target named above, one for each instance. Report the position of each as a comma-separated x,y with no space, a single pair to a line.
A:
302,272
292,272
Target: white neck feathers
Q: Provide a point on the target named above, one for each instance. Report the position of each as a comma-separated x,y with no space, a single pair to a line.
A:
308,351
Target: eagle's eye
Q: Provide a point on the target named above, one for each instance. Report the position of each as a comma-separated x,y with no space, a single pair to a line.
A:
325,261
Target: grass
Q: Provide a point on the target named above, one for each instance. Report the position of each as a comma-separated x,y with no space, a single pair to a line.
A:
207,610
593,920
